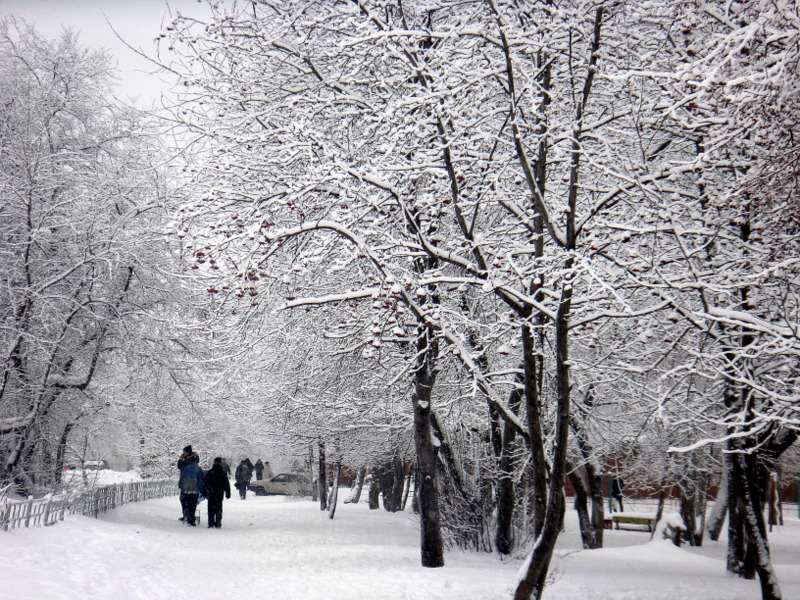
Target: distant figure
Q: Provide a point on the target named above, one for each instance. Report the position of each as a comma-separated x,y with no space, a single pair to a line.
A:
226,467
243,475
183,460
268,471
617,489
259,469
192,486
217,487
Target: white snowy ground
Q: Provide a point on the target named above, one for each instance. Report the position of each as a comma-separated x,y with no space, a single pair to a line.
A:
276,548
78,478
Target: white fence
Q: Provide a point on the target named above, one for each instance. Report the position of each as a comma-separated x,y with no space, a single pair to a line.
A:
92,502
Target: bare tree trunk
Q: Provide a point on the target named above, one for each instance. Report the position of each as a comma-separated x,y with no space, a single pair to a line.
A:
432,545
355,494
720,510
688,512
533,580
588,530
374,490
407,489
392,479
735,562
310,467
506,496
660,509
322,479
701,506
592,535
755,527
538,462
334,495
61,451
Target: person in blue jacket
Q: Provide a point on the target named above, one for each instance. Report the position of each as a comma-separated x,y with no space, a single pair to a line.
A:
183,461
192,486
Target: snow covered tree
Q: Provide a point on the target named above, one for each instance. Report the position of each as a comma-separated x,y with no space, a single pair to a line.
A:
519,193
77,193
724,239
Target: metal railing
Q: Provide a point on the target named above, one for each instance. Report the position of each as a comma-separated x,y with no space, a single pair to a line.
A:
92,502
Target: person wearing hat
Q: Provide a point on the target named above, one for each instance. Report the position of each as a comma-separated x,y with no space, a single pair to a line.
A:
184,461
192,486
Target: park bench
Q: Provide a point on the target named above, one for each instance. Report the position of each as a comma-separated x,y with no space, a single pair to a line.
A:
623,521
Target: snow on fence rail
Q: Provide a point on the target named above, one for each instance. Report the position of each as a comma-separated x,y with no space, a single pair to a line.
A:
92,502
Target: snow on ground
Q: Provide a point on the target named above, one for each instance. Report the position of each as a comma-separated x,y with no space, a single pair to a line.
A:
76,478
287,549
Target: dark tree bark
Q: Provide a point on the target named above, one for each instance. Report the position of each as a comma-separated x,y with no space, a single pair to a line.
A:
398,483
61,450
688,511
334,496
591,533
506,495
735,562
581,506
392,479
322,480
432,546
536,443
374,493
693,505
533,580
592,525
310,467
407,489
754,525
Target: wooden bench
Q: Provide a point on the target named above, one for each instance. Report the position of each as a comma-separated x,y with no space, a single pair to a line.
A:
621,520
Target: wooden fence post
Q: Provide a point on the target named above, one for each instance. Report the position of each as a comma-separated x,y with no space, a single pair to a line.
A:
28,515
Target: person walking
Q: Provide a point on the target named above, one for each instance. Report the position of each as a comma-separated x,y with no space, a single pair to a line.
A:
192,486
217,488
259,469
242,476
183,461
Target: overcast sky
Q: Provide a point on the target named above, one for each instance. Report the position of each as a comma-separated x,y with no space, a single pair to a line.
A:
137,21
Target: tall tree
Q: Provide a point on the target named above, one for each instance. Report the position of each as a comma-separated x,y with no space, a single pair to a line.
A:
77,195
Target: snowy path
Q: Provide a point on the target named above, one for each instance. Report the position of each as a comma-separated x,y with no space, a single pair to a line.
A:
269,547
286,549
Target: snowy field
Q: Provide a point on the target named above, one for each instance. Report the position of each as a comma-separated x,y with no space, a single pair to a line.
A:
276,548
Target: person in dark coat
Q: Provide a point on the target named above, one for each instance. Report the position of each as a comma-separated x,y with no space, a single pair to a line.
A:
192,486
217,487
259,469
243,475
617,491
183,460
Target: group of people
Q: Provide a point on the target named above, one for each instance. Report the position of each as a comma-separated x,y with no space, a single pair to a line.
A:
244,473
194,483
213,484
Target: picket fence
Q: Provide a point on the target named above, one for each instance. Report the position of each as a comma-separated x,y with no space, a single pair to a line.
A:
92,502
